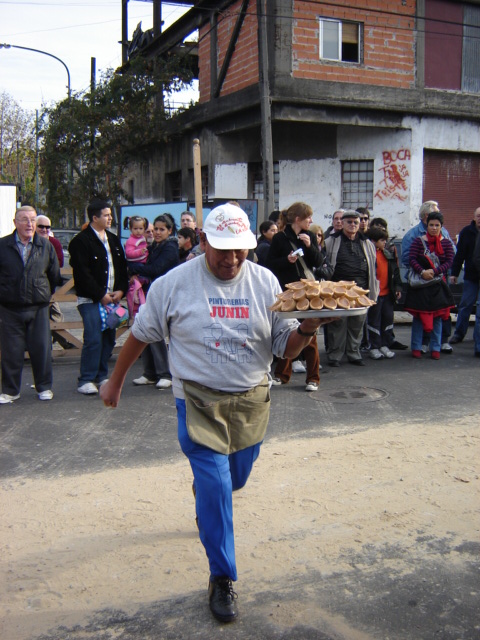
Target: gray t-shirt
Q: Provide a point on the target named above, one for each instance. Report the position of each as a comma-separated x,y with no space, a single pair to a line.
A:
221,333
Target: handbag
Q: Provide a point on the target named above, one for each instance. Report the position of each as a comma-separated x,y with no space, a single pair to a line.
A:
112,315
415,280
307,272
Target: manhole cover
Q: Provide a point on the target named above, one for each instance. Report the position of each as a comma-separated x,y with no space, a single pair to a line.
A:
349,395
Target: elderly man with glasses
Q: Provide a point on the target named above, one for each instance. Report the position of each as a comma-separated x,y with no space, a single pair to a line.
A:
352,257
29,273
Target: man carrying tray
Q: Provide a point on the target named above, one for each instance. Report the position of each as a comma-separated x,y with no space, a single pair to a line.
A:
220,301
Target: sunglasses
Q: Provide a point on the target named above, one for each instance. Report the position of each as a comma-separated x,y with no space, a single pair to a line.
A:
363,218
43,226
352,221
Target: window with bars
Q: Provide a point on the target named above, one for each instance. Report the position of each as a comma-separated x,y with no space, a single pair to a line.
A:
174,186
357,183
255,180
340,40
204,178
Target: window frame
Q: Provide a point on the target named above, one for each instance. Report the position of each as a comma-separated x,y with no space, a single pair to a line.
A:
368,184
255,181
340,42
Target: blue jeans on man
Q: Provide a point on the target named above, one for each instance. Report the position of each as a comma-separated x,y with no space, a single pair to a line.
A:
469,297
476,330
97,345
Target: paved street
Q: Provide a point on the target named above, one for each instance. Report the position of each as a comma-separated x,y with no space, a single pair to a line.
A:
420,585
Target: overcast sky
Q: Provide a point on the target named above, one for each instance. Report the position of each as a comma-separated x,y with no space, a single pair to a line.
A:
72,30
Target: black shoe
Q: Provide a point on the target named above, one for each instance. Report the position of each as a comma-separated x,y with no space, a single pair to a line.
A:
398,346
358,363
333,363
222,598
455,340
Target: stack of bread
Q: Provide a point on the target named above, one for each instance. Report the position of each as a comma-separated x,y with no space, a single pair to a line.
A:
311,295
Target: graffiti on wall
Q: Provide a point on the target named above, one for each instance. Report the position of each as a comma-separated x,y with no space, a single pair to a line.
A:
395,173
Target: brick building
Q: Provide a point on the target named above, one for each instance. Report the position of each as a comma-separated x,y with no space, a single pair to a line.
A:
347,103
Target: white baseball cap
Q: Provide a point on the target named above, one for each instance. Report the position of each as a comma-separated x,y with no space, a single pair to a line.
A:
227,227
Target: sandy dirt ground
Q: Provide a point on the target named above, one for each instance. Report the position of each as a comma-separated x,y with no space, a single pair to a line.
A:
71,546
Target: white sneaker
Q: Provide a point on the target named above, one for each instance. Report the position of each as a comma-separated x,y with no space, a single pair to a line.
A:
387,353
6,399
446,348
424,348
298,367
311,386
45,395
276,382
143,380
164,383
88,389
375,354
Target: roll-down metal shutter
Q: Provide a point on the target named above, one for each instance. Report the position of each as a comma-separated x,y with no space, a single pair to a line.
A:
453,180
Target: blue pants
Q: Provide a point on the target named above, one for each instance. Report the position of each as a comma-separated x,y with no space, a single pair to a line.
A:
215,477
469,296
435,336
476,330
97,345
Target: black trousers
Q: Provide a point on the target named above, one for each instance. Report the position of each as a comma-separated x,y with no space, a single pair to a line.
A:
25,330
155,361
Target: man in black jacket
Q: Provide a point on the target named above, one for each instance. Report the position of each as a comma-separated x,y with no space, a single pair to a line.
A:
100,275
29,273
465,247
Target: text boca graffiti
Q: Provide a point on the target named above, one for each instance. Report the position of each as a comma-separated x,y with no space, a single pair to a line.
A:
395,173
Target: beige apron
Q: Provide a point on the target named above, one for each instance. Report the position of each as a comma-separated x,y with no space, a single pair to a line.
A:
227,422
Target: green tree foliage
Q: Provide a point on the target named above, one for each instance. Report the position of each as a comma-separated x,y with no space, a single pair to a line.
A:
89,140
17,147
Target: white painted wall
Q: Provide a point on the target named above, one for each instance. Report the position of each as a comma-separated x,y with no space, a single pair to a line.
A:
231,181
313,182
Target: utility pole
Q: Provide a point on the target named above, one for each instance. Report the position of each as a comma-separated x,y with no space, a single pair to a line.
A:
265,111
37,183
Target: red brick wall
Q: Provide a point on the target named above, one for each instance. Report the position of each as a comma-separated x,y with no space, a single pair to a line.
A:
243,68
388,45
388,42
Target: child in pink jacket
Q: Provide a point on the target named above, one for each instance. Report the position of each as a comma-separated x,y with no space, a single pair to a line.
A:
136,251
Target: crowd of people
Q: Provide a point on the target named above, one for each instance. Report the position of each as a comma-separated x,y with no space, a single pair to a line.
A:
354,247
220,376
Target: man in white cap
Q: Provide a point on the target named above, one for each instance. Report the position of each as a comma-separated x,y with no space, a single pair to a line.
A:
220,301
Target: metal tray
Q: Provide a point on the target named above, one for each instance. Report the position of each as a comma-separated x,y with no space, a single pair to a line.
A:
323,313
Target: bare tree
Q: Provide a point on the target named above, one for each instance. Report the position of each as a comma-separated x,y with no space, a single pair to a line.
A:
17,146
